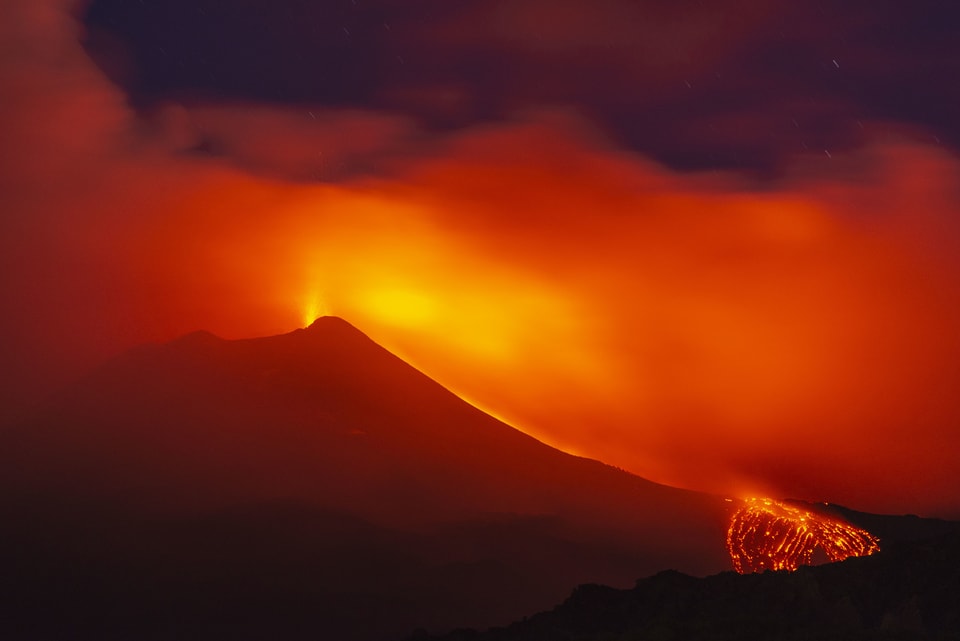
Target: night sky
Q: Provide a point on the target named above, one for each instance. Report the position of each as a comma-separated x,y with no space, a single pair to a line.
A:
715,244
694,85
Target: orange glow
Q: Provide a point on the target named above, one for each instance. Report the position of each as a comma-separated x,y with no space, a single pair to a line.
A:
769,535
680,326
313,308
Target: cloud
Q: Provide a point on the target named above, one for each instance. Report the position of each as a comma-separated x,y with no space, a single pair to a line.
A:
693,84
320,145
704,329
57,107
697,328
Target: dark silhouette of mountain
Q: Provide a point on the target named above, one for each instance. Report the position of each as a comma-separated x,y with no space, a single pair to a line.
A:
911,590
891,528
308,485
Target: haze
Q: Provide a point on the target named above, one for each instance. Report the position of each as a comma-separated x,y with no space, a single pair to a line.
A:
787,328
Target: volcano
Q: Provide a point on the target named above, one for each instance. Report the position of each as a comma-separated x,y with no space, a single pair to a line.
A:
308,485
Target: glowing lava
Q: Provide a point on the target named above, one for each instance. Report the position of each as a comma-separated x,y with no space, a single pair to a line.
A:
769,535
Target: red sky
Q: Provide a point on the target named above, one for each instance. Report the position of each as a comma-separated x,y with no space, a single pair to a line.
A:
789,333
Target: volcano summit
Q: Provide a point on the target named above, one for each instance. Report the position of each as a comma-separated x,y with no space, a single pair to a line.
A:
308,485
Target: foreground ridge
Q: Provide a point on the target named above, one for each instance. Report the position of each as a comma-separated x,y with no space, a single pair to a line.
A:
908,591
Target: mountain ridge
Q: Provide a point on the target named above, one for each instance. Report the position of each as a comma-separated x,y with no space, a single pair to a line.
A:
908,591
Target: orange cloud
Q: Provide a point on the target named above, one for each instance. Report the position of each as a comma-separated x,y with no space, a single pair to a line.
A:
706,334
796,338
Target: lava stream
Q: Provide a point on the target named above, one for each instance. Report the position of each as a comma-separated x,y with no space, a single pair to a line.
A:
769,535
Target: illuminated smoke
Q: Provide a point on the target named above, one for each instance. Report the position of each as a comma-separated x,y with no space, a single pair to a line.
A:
768,535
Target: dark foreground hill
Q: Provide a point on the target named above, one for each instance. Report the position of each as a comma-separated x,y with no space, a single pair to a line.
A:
909,591
307,486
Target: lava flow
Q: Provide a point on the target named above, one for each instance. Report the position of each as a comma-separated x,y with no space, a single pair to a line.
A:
769,535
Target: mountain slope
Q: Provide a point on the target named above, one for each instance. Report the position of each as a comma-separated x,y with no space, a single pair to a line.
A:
310,481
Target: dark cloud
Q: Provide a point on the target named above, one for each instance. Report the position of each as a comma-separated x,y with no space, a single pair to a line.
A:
321,145
695,84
